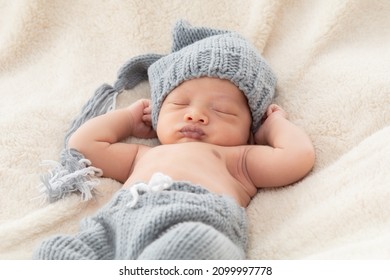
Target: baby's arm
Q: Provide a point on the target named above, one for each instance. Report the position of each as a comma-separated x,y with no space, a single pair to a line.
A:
99,139
283,154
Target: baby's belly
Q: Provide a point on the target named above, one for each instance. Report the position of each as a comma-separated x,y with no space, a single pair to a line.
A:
200,165
213,184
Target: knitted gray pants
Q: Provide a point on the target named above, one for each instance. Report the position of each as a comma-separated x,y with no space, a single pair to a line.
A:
183,222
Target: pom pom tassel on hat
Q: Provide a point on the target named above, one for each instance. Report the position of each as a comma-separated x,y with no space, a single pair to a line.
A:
196,52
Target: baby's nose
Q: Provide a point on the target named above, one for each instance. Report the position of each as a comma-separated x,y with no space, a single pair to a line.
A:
196,116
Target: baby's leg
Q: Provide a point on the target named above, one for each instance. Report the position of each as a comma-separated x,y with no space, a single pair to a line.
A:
91,243
192,240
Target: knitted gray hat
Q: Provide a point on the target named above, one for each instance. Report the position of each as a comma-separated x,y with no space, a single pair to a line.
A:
199,52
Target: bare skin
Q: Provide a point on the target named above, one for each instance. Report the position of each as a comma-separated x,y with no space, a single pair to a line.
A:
204,128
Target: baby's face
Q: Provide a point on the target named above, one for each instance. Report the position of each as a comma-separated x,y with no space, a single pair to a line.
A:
206,110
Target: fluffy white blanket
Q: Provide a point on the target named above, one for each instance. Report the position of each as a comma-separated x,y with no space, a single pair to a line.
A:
332,59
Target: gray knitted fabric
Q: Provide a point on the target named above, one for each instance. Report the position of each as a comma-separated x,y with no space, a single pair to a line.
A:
184,222
199,52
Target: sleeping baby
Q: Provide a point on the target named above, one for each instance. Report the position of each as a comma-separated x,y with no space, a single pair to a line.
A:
221,139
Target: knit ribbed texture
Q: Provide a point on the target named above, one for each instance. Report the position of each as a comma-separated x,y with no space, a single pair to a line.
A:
205,52
185,222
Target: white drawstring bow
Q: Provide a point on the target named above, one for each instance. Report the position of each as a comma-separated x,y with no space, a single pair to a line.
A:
157,183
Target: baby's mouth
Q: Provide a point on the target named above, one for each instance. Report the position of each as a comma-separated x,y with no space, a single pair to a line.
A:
192,131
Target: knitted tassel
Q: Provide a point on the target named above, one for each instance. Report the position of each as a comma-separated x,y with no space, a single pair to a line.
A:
74,172
103,101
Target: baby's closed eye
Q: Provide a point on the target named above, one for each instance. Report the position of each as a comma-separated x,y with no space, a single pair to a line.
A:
226,110
180,103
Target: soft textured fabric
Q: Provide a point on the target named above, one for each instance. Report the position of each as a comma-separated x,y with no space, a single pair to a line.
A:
183,222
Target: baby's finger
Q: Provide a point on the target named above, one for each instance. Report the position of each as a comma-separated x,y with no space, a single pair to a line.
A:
148,110
147,119
271,108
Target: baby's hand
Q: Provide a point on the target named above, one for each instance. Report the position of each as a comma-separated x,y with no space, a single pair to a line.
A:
142,120
274,109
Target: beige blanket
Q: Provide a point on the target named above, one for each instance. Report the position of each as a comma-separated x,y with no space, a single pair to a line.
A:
332,59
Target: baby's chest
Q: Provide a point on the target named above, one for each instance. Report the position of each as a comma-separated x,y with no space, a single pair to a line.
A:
195,155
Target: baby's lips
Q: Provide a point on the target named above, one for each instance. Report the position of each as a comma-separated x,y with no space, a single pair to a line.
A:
192,131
